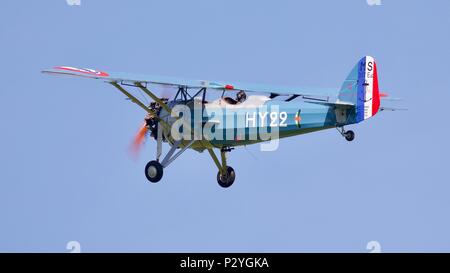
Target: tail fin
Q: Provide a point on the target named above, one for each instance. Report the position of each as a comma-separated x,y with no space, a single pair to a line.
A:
361,89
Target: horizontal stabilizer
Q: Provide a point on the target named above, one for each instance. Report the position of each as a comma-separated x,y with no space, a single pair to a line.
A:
391,99
338,104
382,108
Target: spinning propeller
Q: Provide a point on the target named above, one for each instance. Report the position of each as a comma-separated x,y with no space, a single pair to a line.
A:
138,141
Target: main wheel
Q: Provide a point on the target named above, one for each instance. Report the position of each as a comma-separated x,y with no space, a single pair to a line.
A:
153,171
349,135
227,179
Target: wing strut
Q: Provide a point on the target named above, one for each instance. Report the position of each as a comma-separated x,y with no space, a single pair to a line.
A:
138,102
155,98
292,97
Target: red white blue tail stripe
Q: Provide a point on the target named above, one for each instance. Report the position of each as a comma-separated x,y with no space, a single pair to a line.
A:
368,96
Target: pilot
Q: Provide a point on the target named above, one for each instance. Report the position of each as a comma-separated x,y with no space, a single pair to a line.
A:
241,96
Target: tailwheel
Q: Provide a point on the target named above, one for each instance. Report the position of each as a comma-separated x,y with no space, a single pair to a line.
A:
349,135
153,171
227,179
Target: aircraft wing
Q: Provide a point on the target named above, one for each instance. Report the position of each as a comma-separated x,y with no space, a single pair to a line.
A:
275,91
117,77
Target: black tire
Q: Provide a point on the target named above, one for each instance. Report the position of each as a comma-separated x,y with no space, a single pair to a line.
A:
349,135
226,180
154,171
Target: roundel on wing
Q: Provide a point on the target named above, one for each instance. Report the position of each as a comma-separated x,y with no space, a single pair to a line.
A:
298,118
86,71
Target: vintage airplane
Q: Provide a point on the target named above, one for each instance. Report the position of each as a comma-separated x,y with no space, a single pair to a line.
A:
286,111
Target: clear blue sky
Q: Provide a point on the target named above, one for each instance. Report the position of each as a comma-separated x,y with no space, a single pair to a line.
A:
65,173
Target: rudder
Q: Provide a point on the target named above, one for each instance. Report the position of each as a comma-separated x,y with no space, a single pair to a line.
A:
361,88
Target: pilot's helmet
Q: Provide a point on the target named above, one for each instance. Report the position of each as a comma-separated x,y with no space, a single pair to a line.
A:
241,96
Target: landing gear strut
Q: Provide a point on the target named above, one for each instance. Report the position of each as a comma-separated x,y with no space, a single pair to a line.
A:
226,174
154,169
348,135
